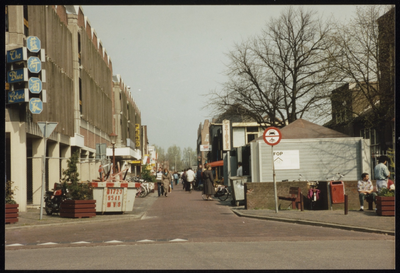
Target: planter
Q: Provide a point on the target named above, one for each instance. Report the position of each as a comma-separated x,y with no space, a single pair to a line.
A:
385,206
78,208
11,213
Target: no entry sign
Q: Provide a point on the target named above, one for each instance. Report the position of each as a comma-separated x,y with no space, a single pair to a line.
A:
272,136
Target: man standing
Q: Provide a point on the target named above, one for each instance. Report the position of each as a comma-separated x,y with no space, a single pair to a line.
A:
189,178
381,173
239,170
365,189
159,180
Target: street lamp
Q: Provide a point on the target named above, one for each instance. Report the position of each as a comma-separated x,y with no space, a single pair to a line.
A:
113,138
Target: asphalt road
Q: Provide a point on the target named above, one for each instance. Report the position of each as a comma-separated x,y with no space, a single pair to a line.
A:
182,231
336,254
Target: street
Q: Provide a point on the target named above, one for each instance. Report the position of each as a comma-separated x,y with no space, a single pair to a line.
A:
182,231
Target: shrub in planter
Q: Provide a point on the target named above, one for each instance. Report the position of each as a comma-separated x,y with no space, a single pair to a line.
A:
11,211
80,195
385,202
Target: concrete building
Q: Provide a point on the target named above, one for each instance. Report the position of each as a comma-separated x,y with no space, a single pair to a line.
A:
79,93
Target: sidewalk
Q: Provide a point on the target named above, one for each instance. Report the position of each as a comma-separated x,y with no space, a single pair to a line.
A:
366,221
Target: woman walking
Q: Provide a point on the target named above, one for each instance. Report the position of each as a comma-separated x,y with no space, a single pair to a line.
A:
208,181
166,180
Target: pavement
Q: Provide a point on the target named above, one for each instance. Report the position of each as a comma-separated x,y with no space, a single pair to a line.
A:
365,221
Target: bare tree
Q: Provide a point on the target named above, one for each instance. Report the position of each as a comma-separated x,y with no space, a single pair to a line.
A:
174,157
282,74
358,58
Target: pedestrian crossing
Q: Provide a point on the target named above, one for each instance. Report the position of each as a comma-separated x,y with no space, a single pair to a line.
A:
100,242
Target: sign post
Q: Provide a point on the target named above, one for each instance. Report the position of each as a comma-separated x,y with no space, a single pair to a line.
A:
272,136
47,128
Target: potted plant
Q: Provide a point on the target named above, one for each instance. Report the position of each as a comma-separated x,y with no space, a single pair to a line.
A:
11,206
385,203
80,201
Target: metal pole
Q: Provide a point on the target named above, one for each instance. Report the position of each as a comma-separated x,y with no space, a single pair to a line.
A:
228,160
113,168
274,179
43,172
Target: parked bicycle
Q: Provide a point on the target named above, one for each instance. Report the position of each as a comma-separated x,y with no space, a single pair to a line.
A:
222,193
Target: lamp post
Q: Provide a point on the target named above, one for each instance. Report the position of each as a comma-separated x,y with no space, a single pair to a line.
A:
113,138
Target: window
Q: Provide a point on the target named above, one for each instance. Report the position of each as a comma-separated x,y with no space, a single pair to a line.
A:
26,22
80,95
251,137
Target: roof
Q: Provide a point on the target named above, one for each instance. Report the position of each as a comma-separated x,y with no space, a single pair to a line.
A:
304,129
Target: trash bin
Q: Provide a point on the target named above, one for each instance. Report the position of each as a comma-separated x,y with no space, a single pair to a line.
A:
337,192
237,188
114,196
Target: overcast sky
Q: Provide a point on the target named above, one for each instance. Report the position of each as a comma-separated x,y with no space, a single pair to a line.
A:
171,56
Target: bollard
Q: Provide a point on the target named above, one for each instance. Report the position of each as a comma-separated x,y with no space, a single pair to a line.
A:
346,204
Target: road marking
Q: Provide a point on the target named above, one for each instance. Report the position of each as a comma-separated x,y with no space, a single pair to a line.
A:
114,241
49,243
145,241
15,245
178,240
81,242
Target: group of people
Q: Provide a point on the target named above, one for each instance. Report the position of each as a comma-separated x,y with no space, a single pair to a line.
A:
365,187
166,180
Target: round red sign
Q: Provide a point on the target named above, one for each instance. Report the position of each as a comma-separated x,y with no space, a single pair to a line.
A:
272,136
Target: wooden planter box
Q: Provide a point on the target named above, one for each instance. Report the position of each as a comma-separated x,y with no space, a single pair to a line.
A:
11,213
78,208
385,206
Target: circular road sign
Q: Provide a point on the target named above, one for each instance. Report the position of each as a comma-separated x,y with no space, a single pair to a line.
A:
272,136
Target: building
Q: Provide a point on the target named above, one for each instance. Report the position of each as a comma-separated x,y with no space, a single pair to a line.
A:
79,93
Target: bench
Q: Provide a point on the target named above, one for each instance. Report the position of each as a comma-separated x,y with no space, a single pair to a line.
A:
295,196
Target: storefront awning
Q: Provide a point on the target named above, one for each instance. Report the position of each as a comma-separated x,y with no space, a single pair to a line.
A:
216,163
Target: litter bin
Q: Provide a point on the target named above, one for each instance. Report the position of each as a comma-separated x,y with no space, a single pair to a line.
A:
237,187
337,192
114,196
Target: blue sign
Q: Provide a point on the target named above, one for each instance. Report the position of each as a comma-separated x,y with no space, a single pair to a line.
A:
34,64
36,106
16,96
16,55
16,76
33,44
35,85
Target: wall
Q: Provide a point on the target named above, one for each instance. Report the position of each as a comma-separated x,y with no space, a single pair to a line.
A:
260,195
320,159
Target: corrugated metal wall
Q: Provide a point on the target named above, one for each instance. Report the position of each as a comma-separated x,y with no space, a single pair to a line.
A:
319,159
56,39
96,86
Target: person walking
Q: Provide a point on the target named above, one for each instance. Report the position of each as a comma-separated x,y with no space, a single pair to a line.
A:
159,181
166,181
176,177
199,179
208,180
381,173
190,176
183,177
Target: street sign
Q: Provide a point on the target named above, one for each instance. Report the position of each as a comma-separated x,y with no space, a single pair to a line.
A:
35,85
47,127
35,105
272,136
33,44
205,148
18,75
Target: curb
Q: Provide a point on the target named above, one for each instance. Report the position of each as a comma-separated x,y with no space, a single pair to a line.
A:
314,223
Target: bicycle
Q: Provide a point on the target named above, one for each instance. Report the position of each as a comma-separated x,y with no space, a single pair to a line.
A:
223,193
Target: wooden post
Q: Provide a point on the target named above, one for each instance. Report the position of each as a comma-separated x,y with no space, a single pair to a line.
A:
346,204
301,202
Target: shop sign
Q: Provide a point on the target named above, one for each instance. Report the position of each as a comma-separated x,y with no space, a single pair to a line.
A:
226,135
35,106
16,55
17,96
137,134
135,162
18,75
205,148
33,44
35,85
34,64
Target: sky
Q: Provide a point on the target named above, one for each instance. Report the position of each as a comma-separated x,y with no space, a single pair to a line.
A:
172,56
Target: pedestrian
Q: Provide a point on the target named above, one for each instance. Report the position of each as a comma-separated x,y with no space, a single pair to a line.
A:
381,173
184,181
208,180
190,176
172,180
365,189
199,174
239,171
101,172
159,181
176,178
166,181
